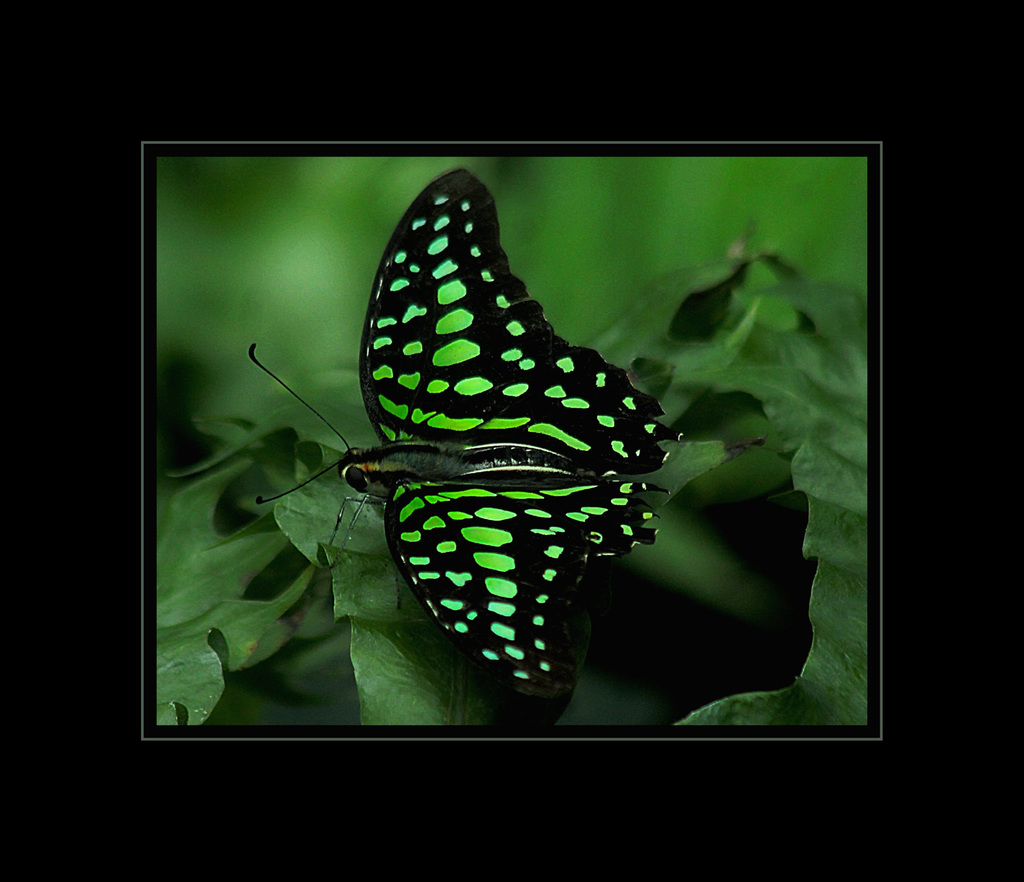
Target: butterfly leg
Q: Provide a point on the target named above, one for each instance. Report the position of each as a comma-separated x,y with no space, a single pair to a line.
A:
360,502
341,514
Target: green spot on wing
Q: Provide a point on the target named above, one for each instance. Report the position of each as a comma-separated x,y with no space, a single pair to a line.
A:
444,269
500,587
473,386
455,352
399,410
451,291
491,560
494,514
440,421
415,504
505,423
457,320
502,630
555,432
486,536
414,311
418,416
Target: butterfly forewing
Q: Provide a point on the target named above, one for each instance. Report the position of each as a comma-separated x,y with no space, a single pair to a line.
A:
454,348
499,570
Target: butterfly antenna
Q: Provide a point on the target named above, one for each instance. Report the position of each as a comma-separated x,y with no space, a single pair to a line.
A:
255,361
261,499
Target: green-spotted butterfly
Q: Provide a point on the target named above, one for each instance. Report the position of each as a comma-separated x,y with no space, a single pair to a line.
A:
504,449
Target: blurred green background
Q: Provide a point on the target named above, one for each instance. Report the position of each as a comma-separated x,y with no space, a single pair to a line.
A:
282,251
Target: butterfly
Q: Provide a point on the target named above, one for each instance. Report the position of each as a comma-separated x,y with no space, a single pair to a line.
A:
507,455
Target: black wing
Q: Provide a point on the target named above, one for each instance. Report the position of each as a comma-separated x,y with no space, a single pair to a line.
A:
499,569
454,349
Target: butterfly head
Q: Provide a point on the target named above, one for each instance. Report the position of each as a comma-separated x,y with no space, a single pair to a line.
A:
367,473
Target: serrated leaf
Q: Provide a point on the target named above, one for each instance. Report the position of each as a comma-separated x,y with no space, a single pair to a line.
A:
691,459
204,626
814,390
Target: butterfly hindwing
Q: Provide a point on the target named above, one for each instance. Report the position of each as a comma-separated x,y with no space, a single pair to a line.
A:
455,349
499,570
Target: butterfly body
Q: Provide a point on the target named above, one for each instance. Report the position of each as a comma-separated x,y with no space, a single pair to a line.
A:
507,453
385,468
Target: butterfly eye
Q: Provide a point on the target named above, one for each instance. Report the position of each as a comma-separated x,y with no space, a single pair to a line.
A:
356,478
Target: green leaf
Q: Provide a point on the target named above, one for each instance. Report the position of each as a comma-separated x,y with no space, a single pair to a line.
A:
691,459
204,623
813,387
